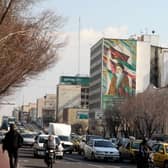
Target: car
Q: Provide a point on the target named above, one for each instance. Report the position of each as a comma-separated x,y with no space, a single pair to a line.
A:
28,139
2,135
39,150
160,154
101,149
129,150
67,144
84,140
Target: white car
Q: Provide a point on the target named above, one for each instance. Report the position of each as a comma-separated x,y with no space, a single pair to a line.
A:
101,149
85,139
67,144
28,139
39,146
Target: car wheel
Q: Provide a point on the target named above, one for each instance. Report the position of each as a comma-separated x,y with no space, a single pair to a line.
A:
35,155
84,156
166,165
92,156
121,158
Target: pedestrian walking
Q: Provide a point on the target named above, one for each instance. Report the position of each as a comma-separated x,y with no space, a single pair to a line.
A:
144,154
12,142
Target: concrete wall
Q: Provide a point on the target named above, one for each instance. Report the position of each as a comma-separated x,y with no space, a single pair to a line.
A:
164,68
142,66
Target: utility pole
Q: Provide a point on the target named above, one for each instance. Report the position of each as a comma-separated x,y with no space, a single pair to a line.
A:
79,47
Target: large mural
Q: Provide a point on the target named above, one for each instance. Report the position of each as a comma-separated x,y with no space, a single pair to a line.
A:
119,69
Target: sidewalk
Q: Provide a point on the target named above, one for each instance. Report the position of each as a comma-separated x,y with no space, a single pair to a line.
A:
4,162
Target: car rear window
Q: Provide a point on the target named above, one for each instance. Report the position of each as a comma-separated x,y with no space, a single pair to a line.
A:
135,145
103,144
42,139
28,136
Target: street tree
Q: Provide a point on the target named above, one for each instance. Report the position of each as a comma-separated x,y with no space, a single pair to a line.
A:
80,127
29,44
145,113
112,120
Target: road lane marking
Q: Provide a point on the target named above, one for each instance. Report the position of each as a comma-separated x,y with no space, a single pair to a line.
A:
95,165
98,166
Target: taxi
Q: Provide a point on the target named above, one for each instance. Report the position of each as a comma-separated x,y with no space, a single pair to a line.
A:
129,150
160,154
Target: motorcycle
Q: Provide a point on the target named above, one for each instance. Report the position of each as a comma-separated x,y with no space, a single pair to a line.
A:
50,157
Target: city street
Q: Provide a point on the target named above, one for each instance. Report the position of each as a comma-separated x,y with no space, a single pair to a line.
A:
26,160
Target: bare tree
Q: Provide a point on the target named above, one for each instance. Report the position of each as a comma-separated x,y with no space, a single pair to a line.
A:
80,127
29,45
146,112
112,119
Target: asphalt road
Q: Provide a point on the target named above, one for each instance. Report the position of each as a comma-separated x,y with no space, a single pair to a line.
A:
26,160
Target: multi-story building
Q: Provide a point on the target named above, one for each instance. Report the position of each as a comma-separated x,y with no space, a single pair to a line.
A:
120,68
75,115
48,109
159,64
40,104
72,91
33,111
27,113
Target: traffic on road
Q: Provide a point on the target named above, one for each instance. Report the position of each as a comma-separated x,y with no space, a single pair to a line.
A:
88,150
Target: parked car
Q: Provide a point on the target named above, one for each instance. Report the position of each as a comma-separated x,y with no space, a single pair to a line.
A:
84,140
39,150
160,154
28,139
129,150
101,149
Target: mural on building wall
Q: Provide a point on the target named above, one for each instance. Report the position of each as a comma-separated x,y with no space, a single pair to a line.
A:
119,68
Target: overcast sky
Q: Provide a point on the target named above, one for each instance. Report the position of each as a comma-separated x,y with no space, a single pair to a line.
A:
98,18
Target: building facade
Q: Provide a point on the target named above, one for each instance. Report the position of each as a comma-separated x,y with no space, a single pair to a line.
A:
75,115
48,109
72,91
121,68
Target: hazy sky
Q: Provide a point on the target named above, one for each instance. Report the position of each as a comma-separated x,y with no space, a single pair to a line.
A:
98,18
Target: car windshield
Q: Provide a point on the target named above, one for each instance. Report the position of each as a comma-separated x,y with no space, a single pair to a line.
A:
104,144
135,145
27,136
89,137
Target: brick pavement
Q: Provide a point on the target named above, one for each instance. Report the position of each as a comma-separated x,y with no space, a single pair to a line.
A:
4,162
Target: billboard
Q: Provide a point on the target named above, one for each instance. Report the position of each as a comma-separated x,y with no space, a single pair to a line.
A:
119,70
82,115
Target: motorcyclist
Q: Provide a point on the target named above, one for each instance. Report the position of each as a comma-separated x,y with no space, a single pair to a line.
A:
143,156
49,144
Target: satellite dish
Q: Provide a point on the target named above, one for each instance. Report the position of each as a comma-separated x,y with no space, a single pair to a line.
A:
153,31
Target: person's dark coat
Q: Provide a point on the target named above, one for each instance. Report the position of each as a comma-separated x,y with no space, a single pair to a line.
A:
12,141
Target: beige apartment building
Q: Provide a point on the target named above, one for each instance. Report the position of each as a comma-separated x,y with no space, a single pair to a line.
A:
74,116
67,96
48,109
